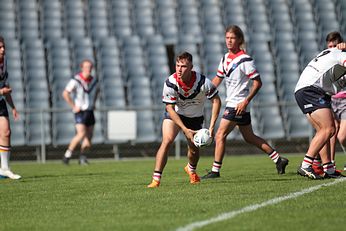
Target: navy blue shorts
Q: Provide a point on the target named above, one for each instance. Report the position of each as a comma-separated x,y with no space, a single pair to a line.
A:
242,120
85,117
193,123
309,99
3,108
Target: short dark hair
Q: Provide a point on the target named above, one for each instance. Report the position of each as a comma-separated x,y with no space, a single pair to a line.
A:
2,40
184,55
334,36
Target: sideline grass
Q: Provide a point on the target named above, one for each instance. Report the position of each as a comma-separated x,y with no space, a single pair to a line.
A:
113,196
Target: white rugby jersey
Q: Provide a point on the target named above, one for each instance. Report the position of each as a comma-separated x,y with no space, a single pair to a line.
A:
84,91
236,69
3,77
189,100
325,71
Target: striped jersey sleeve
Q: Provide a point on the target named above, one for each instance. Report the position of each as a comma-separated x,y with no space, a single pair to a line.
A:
169,94
212,90
71,85
249,69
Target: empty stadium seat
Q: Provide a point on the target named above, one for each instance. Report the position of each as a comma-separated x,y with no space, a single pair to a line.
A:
133,40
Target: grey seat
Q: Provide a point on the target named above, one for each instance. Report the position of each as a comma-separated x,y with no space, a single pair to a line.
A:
63,128
34,124
17,132
145,127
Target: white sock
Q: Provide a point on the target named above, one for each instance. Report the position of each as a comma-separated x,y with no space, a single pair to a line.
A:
5,156
328,168
157,175
334,166
216,166
274,156
307,162
68,153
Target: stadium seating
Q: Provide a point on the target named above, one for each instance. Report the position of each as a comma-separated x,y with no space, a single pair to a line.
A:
133,44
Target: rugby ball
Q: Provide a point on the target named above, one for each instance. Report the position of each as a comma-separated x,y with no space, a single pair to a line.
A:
202,138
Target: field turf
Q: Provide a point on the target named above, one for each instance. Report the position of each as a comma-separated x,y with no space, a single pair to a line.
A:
112,195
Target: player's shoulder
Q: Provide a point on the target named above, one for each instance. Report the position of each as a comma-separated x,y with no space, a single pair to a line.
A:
171,79
200,77
243,54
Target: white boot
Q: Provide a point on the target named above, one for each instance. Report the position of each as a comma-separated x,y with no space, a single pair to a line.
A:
8,173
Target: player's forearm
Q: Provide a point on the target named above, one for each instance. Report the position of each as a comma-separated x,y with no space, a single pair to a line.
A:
216,81
68,99
176,119
216,105
256,85
10,101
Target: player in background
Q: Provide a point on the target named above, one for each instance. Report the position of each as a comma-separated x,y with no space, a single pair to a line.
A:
5,130
334,39
81,93
184,94
321,78
237,69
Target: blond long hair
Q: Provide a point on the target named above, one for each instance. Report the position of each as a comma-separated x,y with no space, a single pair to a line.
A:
238,33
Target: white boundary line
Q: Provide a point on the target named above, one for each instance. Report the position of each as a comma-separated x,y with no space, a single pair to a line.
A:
250,208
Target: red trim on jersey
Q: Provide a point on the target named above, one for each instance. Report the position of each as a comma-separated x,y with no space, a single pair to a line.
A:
186,87
87,80
344,63
232,56
251,74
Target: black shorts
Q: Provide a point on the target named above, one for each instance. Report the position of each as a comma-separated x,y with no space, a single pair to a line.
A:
85,117
242,120
309,99
3,108
193,123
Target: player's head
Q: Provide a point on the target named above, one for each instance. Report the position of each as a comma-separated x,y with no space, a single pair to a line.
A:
234,37
2,47
86,67
183,64
333,38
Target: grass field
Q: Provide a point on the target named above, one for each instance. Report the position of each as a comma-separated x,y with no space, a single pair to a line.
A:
109,195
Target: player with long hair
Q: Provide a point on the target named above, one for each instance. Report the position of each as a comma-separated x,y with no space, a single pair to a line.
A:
237,69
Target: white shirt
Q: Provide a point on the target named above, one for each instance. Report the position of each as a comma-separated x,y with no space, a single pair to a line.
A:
189,100
236,69
325,71
3,77
84,92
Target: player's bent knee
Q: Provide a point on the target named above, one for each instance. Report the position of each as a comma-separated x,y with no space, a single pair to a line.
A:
220,137
330,131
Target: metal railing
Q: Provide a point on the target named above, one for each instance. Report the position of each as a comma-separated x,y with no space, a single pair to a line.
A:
41,148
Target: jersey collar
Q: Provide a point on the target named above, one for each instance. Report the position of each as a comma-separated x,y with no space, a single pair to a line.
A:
186,87
232,56
87,80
